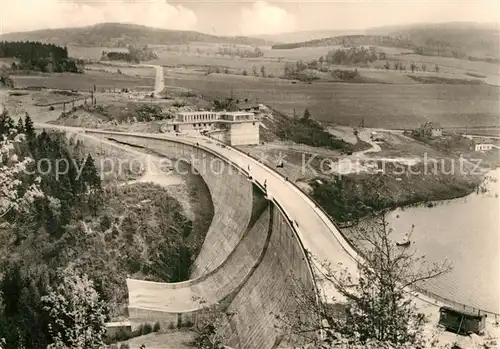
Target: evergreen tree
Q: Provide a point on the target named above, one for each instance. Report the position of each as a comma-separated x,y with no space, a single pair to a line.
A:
92,182
20,126
29,128
6,124
22,320
307,114
89,174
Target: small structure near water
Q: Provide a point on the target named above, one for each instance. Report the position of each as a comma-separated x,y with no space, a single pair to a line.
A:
429,130
482,147
462,322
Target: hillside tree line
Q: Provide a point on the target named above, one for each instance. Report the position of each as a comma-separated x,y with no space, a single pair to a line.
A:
39,56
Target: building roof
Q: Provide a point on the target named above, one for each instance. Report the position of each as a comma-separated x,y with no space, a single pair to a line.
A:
236,113
196,112
247,105
118,324
462,312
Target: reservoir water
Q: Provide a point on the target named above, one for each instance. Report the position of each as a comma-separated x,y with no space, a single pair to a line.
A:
466,232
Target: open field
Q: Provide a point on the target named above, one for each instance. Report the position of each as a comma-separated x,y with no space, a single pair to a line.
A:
171,59
83,82
83,52
310,53
381,105
7,62
127,70
446,64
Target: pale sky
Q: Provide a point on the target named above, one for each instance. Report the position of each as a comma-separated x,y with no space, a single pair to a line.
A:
238,17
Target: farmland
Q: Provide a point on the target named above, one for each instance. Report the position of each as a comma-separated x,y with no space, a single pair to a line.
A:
93,53
125,69
381,105
172,59
83,82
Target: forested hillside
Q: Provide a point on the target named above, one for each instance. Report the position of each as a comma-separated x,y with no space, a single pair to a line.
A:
349,40
459,40
39,56
122,35
69,240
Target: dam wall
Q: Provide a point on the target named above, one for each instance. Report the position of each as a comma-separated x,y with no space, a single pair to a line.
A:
262,279
194,294
275,293
230,190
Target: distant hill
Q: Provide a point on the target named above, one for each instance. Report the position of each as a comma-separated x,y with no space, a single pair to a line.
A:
469,39
457,39
121,35
307,35
349,40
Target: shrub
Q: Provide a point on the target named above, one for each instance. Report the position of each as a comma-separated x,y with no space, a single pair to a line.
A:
124,346
308,131
179,103
51,107
346,74
188,324
146,329
156,327
171,326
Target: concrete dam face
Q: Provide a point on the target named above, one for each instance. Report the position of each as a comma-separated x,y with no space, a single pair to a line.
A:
251,263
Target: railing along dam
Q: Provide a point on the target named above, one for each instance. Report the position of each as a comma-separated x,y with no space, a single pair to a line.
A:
252,264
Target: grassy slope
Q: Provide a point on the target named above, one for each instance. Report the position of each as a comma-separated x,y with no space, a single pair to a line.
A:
83,82
474,39
342,198
477,40
381,105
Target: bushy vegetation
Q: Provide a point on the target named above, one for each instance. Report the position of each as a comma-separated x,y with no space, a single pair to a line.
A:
351,197
133,112
352,55
346,74
63,232
301,71
150,112
343,202
306,130
239,52
142,330
40,57
134,55
37,203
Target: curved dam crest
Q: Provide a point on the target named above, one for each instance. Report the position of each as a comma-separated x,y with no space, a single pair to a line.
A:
312,230
254,264
231,194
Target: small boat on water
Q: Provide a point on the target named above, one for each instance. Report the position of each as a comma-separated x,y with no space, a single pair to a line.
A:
404,243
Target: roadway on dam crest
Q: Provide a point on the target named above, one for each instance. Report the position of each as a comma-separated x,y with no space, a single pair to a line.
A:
316,231
318,234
